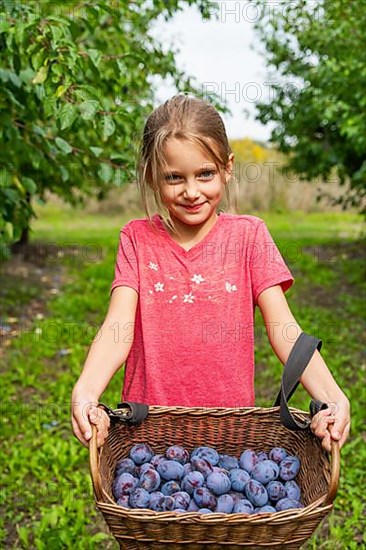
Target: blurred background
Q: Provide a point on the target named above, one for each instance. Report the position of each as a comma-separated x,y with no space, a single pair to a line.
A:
78,80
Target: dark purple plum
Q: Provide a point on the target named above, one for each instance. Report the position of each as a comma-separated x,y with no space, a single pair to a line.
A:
293,490
178,453
238,478
170,487
225,504
265,471
139,498
264,509
156,501
208,453
125,466
187,468
150,480
144,467
218,483
287,504
277,454
243,506
168,504
191,481
219,469
256,493
262,456
276,490
170,470
204,511
181,500
228,462
192,506
289,468
124,484
123,501
236,495
204,498
202,465
141,453
157,459
248,459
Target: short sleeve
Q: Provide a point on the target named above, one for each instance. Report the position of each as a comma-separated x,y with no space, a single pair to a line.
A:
268,267
126,268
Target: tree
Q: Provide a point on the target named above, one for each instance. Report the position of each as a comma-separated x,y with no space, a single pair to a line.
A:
318,100
76,87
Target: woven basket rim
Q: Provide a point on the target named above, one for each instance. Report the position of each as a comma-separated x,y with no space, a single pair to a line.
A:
144,514
219,411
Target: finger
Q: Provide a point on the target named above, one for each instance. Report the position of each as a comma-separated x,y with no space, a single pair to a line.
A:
326,442
83,424
81,412
78,434
342,421
98,416
345,434
103,428
320,427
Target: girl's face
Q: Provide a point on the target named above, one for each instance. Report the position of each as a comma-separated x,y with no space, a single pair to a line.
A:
192,187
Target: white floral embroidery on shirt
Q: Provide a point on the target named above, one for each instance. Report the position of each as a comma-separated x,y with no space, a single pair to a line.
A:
230,288
173,298
159,287
153,266
197,279
188,298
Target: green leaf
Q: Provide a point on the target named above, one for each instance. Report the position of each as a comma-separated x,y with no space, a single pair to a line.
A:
4,26
63,145
56,33
96,150
41,75
108,127
29,185
68,114
88,109
95,56
105,172
61,90
14,78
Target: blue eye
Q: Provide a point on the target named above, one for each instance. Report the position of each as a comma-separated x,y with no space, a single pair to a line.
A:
207,174
172,177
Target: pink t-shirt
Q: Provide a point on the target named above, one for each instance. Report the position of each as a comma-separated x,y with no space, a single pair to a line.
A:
194,328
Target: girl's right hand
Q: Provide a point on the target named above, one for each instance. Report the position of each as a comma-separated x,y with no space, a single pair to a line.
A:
84,413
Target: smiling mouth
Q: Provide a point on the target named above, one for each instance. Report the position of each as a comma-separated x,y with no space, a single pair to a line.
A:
193,206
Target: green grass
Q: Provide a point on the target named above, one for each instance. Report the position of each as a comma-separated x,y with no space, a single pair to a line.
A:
47,498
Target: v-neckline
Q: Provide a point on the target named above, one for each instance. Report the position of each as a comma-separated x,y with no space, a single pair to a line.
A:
179,247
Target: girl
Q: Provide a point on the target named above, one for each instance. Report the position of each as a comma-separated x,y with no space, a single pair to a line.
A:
187,280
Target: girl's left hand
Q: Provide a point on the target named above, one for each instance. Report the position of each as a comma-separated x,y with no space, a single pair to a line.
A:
332,423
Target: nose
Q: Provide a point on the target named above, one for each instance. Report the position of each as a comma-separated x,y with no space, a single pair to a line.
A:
191,190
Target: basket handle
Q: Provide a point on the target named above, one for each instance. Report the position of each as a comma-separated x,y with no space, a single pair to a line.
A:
93,464
334,473
300,355
129,412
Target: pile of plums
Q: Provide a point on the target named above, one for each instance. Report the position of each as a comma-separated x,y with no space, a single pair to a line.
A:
205,481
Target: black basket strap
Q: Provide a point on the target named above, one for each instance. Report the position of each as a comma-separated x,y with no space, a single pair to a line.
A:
300,355
132,413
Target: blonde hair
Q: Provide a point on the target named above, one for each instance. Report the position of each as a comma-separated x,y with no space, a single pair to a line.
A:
191,119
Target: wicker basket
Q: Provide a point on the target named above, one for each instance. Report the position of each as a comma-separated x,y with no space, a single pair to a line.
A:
229,431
